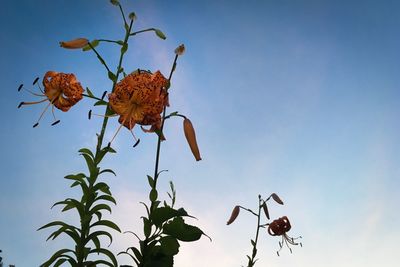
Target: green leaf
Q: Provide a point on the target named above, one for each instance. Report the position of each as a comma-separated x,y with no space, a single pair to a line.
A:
78,176
89,92
169,245
90,163
58,254
151,181
101,103
160,34
120,42
163,214
107,198
86,151
180,230
146,227
112,76
107,253
103,187
96,234
107,223
100,207
108,170
153,195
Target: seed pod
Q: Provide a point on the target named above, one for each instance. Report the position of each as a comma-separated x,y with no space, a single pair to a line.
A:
276,198
234,215
75,44
191,138
265,208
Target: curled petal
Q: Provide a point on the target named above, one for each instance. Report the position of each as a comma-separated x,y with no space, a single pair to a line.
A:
75,44
191,138
234,215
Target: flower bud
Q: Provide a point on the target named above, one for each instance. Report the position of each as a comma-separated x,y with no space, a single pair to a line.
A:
265,208
191,138
234,215
276,198
180,50
75,44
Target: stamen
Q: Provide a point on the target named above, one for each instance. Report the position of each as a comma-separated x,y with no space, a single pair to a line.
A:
90,114
301,245
119,128
290,250
20,87
40,88
41,115
35,81
56,122
36,124
33,93
31,103
277,253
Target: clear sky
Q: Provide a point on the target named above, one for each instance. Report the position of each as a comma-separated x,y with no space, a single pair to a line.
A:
301,98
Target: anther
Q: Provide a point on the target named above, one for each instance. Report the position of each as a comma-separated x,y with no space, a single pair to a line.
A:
109,144
35,81
20,104
301,245
56,122
104,94
20,87
36,124
138,70
90,114
290,250
137,142
277,253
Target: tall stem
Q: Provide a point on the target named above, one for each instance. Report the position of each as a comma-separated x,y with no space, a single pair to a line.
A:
161,131
254,253
105,120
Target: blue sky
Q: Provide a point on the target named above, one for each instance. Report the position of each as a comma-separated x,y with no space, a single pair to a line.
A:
300,98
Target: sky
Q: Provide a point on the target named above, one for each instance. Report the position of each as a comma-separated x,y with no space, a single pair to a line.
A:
300,98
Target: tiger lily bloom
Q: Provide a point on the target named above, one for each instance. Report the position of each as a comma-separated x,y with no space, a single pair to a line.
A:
62,90
140,98
280,227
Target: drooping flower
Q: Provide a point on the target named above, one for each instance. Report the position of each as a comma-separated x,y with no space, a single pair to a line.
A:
62,90
280,227
140,98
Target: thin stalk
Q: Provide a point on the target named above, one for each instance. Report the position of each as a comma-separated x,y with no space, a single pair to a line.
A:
161,130
105,120
254,253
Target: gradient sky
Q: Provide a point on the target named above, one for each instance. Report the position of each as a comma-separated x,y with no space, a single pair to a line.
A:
301,98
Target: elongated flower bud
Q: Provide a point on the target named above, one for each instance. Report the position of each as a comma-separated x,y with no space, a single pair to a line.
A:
234,215
276,198
265,208
191,138
75,44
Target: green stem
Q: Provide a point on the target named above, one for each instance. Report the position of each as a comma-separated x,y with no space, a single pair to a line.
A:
147,30
159,137
105,120
99,57
254,253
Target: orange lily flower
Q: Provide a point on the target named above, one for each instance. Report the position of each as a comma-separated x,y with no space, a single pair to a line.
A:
139,98
62,90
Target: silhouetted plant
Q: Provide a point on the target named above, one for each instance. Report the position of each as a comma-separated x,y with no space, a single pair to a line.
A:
278,227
